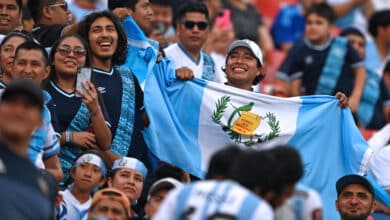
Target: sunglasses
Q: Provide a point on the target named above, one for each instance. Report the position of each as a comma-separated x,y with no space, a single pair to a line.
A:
77,51
62,5
202,25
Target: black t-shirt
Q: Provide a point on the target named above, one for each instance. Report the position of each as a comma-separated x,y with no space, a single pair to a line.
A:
47,34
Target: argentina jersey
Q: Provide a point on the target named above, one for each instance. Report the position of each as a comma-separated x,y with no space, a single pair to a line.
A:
214,200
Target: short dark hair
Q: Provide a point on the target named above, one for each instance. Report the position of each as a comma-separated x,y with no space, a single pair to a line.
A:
386,70
378,19
36,6
323,10
255,170
84,26
113,4
192,6
221,162
352,31
162,2
30,45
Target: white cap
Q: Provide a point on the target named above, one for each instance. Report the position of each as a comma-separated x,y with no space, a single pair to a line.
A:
165,183
252,46
130,163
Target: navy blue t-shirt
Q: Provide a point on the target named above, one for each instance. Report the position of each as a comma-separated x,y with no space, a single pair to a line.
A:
306,61
25,193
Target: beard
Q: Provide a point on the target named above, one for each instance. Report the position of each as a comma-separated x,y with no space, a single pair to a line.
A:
355,217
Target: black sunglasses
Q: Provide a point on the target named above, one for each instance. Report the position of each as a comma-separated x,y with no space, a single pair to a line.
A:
62,5
202,25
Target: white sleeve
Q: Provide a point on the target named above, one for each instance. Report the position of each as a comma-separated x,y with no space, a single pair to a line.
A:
264,212
380,167
52,146
312,203
380,138
168,207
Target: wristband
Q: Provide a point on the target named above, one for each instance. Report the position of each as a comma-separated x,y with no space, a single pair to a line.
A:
68,137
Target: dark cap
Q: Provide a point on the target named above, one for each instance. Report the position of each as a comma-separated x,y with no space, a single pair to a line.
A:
25,87
353,179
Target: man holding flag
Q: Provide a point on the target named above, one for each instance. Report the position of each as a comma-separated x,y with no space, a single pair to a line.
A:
190,121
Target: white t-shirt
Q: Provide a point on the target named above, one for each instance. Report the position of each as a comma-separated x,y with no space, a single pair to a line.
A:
380,167
305,204
71,208
213,199
183,59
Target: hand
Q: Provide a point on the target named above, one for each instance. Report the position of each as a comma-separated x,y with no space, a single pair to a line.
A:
84,139
90,97
122,12
159,37
184,73
343,100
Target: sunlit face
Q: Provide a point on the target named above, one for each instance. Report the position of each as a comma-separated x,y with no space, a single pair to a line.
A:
7,54
355,202
129,181
241,68
358,44
111,209
19,118
143,15
192,38
154,202
59,12
103,38
162,14
87,176
317,29
30,64
10,16
70,55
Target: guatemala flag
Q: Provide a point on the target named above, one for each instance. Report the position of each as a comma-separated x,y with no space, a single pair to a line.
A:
190,120
141,51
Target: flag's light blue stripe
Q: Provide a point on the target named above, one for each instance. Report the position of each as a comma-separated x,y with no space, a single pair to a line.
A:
248,205
168,107
182,200
332,143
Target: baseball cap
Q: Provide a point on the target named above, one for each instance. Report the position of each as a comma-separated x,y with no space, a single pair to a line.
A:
165,183
111,194
353,179
252,46
26,87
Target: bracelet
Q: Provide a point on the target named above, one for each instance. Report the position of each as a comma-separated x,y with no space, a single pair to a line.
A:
93,114
68,137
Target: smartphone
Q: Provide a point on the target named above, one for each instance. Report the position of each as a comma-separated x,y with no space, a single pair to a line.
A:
223,21
84,74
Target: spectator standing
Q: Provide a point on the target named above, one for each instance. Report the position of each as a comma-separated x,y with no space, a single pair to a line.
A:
7,54
248,24
52,19
11,13
321,64
162,21
192,28
31,61
21,105
119,87
68,54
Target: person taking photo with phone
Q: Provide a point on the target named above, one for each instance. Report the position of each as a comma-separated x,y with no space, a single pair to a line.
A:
67,56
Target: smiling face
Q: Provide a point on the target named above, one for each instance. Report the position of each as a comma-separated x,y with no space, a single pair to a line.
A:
241,68
7,54
10,16
103,39
30,64
70,55
355,202
129,181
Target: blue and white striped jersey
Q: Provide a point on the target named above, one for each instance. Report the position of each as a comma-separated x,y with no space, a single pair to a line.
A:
214,200
70,207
